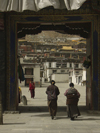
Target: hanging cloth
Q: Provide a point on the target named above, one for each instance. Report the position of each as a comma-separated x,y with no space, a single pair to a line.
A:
21,73
36,5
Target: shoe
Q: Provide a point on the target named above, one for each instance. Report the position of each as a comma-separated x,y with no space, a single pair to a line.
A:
72,118
55,118
52,117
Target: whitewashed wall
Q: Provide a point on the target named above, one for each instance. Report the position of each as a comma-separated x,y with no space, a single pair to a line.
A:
53,64
72,65
49,72
47,64
73,78
80,65
67,64
84,75
22,84
37,74
64,78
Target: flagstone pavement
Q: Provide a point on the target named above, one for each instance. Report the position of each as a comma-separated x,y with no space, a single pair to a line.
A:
35,118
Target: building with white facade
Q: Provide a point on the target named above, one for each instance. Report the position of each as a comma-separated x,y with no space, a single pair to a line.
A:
53,71
77,74
31,72
70,72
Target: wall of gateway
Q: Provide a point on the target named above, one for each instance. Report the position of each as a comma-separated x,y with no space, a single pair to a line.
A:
8,49
2,60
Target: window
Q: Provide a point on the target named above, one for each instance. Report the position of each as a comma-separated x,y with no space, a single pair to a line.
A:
54,71
69,73
76,72
70,65
28,71
58,65
64,65
50,64
76,65
62,71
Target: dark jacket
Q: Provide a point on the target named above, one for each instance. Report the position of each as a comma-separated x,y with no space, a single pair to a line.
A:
52,89
72,96
72,99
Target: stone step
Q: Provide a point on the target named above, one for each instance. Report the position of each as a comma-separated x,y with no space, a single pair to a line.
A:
45,109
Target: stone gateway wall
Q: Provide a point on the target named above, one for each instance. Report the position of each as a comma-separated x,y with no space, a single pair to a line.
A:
2,61
1,115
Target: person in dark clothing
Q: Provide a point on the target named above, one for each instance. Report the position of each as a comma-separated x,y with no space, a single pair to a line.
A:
52,96
72,101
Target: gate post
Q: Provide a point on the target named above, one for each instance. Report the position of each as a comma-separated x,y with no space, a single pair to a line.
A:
1,115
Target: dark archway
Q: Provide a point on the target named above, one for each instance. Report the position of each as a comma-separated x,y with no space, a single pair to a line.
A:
82,29
77,24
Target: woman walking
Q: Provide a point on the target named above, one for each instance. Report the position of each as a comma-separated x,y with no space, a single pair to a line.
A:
72,101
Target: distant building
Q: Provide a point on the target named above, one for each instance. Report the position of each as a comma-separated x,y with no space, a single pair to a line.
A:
77,74
54,59
31,73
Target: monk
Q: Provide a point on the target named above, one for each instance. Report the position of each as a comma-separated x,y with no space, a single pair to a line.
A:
52,96
32,89
73,96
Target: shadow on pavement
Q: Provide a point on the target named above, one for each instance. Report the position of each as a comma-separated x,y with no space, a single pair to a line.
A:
28,109
12,123
86,119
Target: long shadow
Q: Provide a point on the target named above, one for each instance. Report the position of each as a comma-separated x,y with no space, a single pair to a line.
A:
86,119
13,123
37,109
64,116
42,111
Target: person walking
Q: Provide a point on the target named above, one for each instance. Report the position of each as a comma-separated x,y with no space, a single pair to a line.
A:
73,96
32,89
52,96
19,93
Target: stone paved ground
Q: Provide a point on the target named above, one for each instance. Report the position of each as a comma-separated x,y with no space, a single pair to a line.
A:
34,118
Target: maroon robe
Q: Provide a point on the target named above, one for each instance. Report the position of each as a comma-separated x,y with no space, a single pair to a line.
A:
32,89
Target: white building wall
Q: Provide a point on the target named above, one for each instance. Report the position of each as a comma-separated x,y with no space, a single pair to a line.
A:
53,64
37,74
67,64
47,64
21,60
64,78
80,65
72,65
49,72
58,70
21,84
73,78
44,64
84,75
